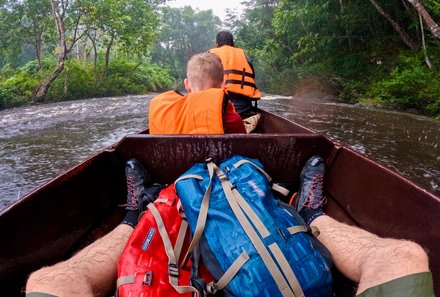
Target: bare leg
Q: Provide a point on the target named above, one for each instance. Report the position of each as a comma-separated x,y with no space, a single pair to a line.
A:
367,258
91,272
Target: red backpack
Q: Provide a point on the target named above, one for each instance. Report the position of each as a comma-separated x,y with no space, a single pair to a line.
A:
151,260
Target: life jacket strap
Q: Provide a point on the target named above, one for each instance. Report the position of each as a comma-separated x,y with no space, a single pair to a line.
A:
239,82
239,72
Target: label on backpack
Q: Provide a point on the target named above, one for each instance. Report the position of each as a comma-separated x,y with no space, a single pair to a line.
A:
148,239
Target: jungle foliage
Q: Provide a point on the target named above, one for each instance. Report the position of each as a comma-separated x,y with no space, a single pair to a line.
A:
183,33
54,50
77,81
372,51
381,52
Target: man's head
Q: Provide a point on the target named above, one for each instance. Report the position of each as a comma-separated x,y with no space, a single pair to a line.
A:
224,38
204,71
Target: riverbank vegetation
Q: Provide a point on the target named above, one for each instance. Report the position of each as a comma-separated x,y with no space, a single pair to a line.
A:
377,52
65,50
78,81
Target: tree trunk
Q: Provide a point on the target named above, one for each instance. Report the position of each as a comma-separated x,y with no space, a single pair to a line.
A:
41,92
427,61
86,53
95,54
107,57
39,50
342,5
403,35
38,43
95,62
433,26
134,69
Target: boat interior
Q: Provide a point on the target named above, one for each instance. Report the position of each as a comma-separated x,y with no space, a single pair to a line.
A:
84,203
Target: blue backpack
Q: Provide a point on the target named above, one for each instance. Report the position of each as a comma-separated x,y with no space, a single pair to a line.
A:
253,244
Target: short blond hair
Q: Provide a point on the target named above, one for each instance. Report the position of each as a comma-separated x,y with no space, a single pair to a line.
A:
204,71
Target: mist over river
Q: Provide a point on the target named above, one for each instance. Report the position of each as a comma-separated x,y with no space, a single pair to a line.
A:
37,143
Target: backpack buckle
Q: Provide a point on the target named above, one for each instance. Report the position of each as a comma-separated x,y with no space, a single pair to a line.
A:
173,270
212,288
222,177
148,277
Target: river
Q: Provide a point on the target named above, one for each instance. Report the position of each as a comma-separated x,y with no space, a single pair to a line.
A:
39,142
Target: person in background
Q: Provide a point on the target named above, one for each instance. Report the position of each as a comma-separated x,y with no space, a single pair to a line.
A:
205,110
239,74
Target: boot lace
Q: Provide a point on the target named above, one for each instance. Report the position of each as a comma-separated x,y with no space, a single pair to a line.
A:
315,199
133,200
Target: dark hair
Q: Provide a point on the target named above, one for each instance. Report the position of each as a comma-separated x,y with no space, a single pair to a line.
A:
224,38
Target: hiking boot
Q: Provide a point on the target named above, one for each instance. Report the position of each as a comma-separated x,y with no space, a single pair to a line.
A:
149,195
137,179
311,185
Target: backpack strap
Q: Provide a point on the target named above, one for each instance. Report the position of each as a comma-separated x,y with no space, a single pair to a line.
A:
312,229
196,176
180,210
280,189
275,187
172,253
124,280
258,223
196,280
289,288
229,274
203,213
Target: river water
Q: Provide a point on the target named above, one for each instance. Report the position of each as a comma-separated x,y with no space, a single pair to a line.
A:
38,143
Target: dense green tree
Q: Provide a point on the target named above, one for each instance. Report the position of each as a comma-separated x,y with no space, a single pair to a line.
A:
255,26
353,43
325,36
62,31
183,33
25,24
129,24
253,32
67,22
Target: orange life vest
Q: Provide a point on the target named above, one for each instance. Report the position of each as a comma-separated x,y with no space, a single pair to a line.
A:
195,113
238,75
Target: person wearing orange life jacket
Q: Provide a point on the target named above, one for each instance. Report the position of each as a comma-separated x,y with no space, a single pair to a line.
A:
239,74
93,270
205,110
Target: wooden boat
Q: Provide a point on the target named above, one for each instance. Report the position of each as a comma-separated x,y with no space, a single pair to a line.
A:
72,210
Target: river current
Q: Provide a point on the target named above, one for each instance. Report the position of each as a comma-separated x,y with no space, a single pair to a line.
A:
37,143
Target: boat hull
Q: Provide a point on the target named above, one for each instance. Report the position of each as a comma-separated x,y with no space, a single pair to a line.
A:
81,205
